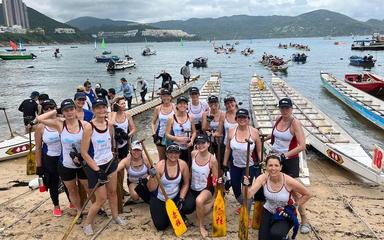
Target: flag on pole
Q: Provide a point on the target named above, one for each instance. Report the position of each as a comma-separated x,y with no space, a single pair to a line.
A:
12,45
103,45
181,42
377,161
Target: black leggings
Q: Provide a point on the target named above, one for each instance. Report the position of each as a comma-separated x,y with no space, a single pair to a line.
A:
51,177
159,214
142,95
273,230
129,100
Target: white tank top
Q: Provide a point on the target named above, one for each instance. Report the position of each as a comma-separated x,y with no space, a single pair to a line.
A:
51,138
171,185
227,126
214,125
163,118
124,126
200,175
181,130
134,173
67,141
239,151
197,111
275,199
282,140
102,145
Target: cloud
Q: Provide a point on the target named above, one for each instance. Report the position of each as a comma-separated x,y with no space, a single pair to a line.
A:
158,10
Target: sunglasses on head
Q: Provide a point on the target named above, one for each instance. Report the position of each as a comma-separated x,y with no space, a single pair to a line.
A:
173,148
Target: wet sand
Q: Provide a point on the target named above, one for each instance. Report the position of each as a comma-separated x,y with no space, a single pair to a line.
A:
326,210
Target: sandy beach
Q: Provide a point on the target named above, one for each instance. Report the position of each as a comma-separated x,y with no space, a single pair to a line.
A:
331,186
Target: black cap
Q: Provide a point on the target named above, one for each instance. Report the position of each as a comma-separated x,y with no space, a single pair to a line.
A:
112,91
212,99
165,91
285,102
173,147
194,90
80,95
229,98
67,103
43,97
87,83
182,99
35,94
123,79
242,112
99,102
188,63
201,138
48,102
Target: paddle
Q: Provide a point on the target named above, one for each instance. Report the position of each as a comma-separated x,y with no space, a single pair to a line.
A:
219,221
173,213
153,87
243,223
9,125
258,205
31,163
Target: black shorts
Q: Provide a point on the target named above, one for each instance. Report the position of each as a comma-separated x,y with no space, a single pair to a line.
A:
92,175
291,167
69,174
122,152
195,194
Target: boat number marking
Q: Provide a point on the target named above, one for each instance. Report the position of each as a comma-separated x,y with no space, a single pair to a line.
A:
331,154
19,149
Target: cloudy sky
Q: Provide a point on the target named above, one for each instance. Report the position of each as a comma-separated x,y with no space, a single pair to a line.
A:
156,10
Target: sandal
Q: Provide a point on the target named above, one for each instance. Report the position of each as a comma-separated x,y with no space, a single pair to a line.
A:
305,228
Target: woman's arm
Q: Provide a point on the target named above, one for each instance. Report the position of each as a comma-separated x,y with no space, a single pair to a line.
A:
131,125
257,184
123,164
152,181
220,128
186,176
48,119
168,129
38,144
297,187
204,122
85,142
299,133
257,140
193,131
155,116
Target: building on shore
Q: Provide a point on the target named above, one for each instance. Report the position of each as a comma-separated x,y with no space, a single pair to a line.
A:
165,33
65,30
14,29
15,13
127,34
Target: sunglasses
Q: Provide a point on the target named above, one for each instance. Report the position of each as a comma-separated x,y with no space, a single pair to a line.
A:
81,99
173,149
45,108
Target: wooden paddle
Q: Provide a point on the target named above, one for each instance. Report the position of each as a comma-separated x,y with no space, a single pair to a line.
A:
31,163
174,216
153,87
9,125
243,221
219,219
258,205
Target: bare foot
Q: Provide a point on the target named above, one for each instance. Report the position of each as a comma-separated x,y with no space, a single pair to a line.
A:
203,232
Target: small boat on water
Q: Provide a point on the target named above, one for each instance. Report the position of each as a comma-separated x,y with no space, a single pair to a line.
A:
219,50
105,59
16,50
366,61
128,62
366,82
247,51
200,62
276,64
326,135
363,103
148,52
376,43
106,52
12,56
299,58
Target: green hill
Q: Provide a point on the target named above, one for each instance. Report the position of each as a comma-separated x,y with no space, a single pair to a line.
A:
86,23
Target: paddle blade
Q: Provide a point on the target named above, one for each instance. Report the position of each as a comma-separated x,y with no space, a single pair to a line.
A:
243,223
31,164
256,218
175,218
219,220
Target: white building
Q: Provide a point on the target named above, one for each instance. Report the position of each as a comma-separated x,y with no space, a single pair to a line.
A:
14,29
65,30
165,33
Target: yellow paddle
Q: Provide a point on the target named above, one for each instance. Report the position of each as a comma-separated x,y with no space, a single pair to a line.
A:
243,223
258,205
174,216
219,219
31,163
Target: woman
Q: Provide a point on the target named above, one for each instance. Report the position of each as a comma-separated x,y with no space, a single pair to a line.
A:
230,115
71,133
196,108
82,113
278,189
288,141
137,166
174,175
181,128
101,166
213,122
204,177
236,149
159,121
47,155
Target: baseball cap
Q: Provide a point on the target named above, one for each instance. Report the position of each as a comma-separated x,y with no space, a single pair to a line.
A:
193,90
229,99
67,103
173,147
99,102
80,95
43,97
35,94
201,138
182,99
136,145
165,91
212,99
48,102
97,85
285,102
242,112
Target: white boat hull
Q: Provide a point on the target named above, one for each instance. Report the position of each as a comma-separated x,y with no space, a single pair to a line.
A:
16,147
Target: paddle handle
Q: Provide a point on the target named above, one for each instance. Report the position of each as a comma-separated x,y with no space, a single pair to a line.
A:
153,87
9,125
245,200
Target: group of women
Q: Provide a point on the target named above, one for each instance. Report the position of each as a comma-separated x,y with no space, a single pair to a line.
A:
188,135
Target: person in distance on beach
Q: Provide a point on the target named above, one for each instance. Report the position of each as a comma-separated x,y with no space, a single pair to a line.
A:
89,91
142,86
159,121
101,92
82,113
279,211
196,107
29,108
174,175
101,168
127,89
186,72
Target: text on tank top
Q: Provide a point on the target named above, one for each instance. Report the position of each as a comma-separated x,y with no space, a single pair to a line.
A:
163,119
134,173
51,138
277,199
283,141
239,150
102,145
196,111
201,175
125,126
171,185
181,130
68,140
227,126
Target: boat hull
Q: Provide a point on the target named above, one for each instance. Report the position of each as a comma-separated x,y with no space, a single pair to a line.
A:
15,147
17,57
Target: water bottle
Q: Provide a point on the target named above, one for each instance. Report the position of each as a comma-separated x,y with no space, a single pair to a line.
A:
42,187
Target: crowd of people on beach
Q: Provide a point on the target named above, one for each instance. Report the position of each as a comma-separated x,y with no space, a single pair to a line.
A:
90,141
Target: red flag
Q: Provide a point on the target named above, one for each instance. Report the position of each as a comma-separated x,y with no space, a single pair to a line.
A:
12,45
378,160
